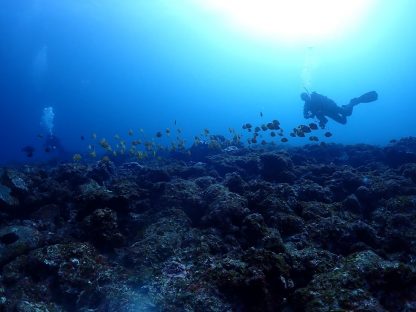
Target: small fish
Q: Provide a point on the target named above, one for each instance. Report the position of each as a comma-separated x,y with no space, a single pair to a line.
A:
82,138
104,144
393,141
131,132
270,126
158,134
313,126
167,131
76,157
284,140
94,136
304,128
175,122
261,114
328,134
276,123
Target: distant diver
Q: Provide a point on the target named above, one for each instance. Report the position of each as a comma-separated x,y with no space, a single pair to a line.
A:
54,145
28,150
320,106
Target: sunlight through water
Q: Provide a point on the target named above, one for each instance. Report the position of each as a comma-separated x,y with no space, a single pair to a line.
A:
300,21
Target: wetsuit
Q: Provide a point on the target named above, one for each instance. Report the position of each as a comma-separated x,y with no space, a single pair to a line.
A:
53,145
320,106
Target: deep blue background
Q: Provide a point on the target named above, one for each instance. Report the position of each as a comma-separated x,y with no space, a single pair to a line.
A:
119,65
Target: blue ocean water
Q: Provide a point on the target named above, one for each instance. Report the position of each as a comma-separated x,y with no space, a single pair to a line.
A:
106,67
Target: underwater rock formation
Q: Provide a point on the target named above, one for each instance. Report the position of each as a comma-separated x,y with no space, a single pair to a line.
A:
314,228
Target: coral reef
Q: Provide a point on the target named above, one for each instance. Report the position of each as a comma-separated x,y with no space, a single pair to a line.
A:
315,228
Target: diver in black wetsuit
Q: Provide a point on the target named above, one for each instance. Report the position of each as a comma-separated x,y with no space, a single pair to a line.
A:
320,106
53,145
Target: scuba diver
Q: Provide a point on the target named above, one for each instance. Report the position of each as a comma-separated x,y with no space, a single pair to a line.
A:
53,145
320,106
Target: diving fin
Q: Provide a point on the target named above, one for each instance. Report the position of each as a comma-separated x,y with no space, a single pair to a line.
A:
368,97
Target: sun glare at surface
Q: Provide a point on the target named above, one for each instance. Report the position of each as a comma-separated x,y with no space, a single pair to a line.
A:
306,21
